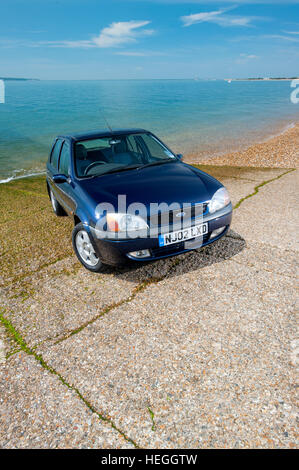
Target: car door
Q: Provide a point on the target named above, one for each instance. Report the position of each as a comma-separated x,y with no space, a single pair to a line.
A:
66,190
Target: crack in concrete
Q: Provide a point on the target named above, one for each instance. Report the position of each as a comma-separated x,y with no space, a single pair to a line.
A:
139,288
152,415
30,273
263,183
248,180
16,336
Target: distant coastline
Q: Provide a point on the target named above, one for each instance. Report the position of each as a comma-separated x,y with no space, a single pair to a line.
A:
260,79
252,79
14,79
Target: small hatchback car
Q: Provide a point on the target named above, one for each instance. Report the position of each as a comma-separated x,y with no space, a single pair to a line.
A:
132,198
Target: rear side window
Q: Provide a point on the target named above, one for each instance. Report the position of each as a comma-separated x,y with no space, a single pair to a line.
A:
55,154
64,162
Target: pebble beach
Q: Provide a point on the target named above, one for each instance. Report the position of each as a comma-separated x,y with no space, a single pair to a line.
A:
281,151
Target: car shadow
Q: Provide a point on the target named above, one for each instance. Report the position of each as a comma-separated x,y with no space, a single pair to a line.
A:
225,248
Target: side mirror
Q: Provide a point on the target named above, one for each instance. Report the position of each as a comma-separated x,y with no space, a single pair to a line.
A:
59,179
180,156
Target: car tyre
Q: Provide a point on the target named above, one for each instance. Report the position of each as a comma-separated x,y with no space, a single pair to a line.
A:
57,208
84,249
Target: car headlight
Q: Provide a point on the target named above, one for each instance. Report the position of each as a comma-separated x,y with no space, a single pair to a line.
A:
117,222
219,200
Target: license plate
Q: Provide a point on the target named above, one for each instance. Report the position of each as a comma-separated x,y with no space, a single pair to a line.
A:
182,235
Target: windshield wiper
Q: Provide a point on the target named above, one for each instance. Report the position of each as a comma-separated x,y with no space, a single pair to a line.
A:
160,162
116,170
121,168
132,167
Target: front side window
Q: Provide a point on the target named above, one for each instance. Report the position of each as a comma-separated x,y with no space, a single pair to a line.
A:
96,157
64,161
155,148
55,154
135,146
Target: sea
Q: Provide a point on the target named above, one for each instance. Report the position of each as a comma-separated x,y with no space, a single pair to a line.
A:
198,117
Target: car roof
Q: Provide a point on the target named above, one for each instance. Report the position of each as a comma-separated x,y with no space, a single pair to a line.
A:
99,133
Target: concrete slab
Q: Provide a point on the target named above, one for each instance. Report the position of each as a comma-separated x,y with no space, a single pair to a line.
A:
271,216
211,341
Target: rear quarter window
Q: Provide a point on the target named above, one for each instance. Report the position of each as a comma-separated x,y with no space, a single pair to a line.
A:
64,161
55,154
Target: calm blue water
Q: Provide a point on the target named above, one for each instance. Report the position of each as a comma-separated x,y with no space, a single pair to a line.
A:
202,116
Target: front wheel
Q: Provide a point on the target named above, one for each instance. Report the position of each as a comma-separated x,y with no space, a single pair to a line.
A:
84,249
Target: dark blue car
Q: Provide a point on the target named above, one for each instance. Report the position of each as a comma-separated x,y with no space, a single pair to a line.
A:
132,198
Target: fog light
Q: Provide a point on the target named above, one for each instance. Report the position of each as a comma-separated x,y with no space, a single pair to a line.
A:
217,232
140,254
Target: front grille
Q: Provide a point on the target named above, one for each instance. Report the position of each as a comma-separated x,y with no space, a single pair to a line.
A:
171,217
175,248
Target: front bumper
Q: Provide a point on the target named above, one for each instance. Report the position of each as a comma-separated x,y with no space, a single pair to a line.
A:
116,252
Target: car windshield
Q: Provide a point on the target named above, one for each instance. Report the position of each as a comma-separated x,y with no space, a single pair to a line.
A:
98,156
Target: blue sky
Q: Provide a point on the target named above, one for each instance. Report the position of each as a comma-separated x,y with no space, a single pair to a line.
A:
110,39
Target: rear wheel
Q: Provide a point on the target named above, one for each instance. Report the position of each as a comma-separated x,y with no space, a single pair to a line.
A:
84,249
57,208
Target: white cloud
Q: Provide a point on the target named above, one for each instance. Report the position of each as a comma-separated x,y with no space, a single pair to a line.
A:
131,54
115,35
119,33
265,36
67,44
280,36
218,17
249,56
291,32
140,53
200,17
245,58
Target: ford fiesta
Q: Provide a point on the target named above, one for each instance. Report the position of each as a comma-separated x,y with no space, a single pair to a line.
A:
132,198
